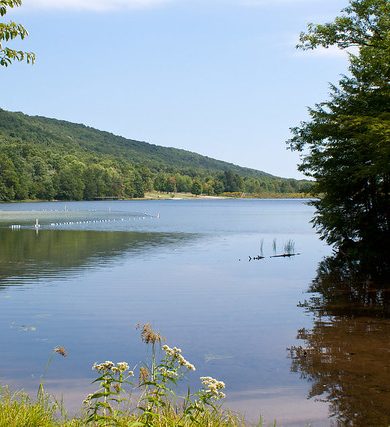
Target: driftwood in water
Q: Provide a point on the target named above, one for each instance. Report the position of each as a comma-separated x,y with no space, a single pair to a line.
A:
284,255
257,258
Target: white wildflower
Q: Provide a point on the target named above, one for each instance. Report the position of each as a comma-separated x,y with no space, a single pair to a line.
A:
190,366
175,353
177,350
105,366
213,387
122,366
168,373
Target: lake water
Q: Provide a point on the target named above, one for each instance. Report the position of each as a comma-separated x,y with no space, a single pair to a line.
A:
93,270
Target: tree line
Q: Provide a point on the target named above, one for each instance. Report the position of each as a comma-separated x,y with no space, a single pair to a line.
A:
32,172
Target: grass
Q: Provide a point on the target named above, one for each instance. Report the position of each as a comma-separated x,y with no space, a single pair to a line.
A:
20,410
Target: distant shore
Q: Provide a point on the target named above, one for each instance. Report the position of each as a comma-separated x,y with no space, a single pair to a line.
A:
155,195
177,196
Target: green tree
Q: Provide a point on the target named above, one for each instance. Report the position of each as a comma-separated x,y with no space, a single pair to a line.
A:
71,181
10,31
95,182
138,186
251,185
232,181
171,184
196,187
160,182
8,179
346,144
41,185
219,187
146,176
183,183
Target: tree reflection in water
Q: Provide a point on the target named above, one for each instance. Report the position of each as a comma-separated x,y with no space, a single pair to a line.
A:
346,355
55,253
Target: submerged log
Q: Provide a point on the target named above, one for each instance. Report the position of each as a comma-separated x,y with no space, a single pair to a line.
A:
257,258
284,255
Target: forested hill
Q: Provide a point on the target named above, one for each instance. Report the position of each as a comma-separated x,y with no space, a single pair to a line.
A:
68,136
47,158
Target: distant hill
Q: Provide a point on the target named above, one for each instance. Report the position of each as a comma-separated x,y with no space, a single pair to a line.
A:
48,158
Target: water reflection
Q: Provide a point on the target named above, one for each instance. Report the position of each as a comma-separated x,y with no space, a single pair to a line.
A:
188,274
348,288
27,255
346,354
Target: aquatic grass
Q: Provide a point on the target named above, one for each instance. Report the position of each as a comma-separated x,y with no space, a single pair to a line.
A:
289,247
288,250
274,246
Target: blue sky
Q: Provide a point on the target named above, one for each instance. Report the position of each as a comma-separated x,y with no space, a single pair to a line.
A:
218,77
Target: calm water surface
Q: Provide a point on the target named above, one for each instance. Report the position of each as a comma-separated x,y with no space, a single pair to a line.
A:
96,269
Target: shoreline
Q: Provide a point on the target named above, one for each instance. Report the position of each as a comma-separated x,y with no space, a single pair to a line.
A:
178,196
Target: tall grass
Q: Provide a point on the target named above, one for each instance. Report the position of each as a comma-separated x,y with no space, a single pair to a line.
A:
19,410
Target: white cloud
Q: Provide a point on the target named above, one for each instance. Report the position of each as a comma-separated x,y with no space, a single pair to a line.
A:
94,5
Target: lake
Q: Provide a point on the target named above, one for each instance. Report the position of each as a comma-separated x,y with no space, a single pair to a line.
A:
92,271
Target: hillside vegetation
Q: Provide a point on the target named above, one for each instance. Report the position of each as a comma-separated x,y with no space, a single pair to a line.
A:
43,158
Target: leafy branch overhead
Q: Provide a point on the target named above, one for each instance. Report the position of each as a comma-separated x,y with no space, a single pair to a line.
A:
10,31
362,23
